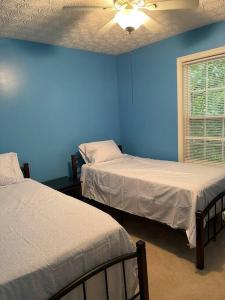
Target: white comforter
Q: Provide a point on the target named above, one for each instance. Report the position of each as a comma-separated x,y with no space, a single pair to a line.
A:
48,239
169,192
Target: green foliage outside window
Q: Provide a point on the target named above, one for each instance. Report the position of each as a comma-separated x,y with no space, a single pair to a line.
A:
207,110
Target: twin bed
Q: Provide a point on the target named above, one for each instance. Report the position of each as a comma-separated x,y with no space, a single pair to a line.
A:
53,246
182,195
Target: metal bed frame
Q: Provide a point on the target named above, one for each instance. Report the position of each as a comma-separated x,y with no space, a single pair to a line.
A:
26,170
139,255
207,228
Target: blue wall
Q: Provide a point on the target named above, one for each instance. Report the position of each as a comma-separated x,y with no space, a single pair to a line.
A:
52,99
149,120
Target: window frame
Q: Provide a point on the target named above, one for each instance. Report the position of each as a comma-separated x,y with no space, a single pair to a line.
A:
181,61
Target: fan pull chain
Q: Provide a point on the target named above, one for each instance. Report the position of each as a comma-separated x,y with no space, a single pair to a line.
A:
132,78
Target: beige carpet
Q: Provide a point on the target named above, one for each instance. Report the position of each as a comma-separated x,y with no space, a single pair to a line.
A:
171,269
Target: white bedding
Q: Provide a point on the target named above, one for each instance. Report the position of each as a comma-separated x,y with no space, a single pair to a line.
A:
169,192
48,239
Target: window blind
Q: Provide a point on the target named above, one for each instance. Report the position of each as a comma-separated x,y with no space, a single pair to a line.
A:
204,111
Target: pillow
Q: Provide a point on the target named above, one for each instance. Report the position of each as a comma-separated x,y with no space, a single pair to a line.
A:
10,171
100,151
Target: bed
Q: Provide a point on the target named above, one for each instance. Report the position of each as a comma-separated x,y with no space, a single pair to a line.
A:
53,246
184,196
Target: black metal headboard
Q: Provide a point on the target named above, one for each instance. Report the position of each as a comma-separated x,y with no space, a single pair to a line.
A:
26,170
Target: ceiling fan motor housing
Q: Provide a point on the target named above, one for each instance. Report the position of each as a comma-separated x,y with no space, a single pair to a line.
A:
119,4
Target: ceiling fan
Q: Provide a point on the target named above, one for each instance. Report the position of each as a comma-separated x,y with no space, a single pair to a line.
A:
129,14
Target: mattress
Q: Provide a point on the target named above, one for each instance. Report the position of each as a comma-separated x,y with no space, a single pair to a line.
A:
49,239
165,191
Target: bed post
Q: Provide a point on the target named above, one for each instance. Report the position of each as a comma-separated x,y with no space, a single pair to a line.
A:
121,148
142,270
74,166
199,240
26,170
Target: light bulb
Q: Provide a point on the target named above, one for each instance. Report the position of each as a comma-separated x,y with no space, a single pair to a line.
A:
130,19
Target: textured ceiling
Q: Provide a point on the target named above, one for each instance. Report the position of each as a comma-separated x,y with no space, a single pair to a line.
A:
46,21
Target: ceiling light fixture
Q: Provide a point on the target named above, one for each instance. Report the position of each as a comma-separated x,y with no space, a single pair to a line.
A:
130,19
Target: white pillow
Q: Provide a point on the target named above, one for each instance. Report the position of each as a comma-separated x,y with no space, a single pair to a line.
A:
10,171
100,151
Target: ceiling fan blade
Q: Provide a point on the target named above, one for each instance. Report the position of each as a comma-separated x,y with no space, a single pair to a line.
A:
172,5
106,27
88,8
152,25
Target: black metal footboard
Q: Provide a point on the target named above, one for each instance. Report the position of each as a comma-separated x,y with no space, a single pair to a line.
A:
142,294
209,222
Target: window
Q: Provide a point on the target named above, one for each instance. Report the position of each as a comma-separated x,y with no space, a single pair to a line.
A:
201,107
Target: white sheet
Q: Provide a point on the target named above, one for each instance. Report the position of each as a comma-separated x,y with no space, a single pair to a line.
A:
169,192
48,239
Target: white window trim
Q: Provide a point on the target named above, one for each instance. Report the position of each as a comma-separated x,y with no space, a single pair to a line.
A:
181,61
